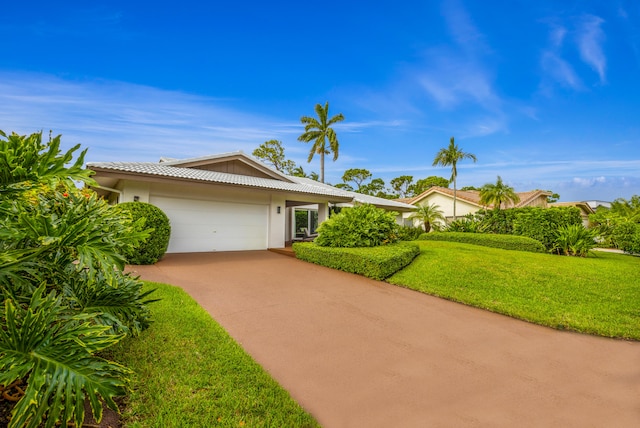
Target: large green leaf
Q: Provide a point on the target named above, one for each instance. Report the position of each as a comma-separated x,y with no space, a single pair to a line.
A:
56,353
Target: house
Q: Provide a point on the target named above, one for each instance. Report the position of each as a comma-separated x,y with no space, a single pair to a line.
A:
468,201
225,202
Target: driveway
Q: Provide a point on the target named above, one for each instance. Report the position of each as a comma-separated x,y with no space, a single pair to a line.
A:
361,353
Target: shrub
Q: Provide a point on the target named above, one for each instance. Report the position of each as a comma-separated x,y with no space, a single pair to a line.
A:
506,242
626,236
376,263
359,226
65,297
574,240
543,223
156,221
469,225
409,233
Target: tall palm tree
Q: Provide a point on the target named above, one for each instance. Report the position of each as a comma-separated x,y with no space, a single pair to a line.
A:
497,194
450,156
428,215
318,131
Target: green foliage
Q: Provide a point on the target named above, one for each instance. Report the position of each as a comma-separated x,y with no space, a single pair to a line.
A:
497,221
409,233
626,236
376,263
426,183
58,360
543,223
498,194
403,185
450,156
147,217
61,280
574,240
272,153
429,215
506,242
319,131
359,226
466,224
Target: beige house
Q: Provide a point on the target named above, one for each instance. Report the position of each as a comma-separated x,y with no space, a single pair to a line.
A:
468,201
225,202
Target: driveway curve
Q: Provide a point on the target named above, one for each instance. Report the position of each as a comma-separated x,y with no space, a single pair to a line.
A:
361,353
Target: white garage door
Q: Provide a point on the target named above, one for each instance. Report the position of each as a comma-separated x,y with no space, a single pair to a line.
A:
199,226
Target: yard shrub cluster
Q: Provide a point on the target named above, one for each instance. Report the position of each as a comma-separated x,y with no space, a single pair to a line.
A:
154,220
65,298
506,242
543,224
376,263
619,226
409,233
359,226
574,240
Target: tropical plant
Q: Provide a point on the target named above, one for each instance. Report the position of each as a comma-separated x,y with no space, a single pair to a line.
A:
359,226
543,223
428,215
498,194
319,131
272,153
155,220
450,156
574,240
466,224
65,296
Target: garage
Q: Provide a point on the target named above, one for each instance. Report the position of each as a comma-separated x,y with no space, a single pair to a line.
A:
201,225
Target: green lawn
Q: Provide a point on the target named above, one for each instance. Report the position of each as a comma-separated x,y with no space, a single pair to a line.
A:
191,373
599,294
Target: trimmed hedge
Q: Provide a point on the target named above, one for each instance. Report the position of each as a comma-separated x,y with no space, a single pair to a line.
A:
154,247
506,242
373,262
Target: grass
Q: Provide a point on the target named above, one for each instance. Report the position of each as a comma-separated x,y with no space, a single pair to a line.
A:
191,373
598,295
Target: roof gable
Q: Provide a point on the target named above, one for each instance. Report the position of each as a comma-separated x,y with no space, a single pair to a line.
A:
527,199
231,163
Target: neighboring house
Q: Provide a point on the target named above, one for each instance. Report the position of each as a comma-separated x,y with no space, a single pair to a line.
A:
596,204
224,202
468,201
585,209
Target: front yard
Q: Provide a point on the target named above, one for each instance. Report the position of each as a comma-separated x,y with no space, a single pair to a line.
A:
596,295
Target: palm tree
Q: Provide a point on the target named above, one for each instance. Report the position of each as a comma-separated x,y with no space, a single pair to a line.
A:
428,215
497,194
450,156
318,131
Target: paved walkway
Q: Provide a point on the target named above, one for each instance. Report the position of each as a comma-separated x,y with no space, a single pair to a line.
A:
361,353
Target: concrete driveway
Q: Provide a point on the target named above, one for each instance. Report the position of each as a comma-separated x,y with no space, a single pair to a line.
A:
361,353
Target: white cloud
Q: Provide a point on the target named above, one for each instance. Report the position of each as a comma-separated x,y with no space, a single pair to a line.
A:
590,38
121,121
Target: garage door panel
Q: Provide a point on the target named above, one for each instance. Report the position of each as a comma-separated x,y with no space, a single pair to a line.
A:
200,226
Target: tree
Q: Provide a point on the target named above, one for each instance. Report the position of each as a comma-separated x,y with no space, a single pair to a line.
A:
426,183
428,215
298,171
403,185
272,153
474,188
450,156
553,198
319,131
497,194
358,176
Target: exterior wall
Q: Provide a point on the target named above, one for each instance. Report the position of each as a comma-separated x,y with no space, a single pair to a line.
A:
277,221
446,205
132,190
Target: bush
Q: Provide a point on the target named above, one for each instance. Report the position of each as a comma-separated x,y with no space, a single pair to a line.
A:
574,240
376,263
469,225
626,236
506,242
543,223
409,233
359,226
156,221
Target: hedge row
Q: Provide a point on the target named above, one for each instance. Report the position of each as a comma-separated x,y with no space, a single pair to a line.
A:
373,262
506,242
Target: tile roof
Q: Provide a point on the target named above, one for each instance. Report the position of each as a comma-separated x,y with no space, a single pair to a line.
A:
473,196
168,171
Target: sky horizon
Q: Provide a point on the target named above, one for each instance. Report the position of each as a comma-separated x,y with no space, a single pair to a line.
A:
546,95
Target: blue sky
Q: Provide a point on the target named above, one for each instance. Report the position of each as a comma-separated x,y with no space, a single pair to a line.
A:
546,94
